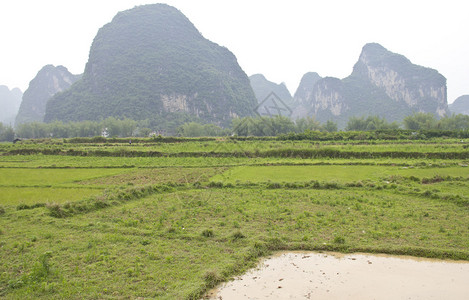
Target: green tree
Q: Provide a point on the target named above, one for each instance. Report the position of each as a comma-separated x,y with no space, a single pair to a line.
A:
370,123
144,132
7,133
262,126
191,129
454,122
240,126
420,120
214,130
308,123
32,130
330,126
356,124
282,125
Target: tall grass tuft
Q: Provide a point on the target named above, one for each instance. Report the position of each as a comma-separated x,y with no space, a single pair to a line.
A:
207,233
237,235
212,278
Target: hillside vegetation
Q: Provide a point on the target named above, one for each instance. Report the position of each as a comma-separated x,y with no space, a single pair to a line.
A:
151,62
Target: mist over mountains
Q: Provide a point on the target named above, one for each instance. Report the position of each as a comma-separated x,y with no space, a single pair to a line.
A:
460,105
263,87
10,101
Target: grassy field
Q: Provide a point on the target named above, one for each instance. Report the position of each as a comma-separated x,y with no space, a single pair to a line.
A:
171,226
339,173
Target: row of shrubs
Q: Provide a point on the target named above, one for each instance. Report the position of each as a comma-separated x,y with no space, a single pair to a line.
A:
311,135
115,140
394,134
285,153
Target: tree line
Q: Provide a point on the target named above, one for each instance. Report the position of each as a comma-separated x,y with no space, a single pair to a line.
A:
247,126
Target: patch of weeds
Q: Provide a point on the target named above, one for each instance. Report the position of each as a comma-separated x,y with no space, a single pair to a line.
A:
338,239
41,270
145,242
273,185
130,272
2,210
15,283
237,235
214,184
55,210
153,256
212,278
130,223
434,179
331,185
207,233
354,184
25,206
424,237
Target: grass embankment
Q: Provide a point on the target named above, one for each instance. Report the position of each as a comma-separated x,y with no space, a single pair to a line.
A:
170,228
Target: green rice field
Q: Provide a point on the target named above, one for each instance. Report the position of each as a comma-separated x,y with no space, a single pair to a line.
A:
170,219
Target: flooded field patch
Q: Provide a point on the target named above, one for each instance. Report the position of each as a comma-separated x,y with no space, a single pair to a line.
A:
349,276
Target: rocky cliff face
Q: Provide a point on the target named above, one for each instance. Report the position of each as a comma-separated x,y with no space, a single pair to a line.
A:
421,89
151,62
305,88
382,83
328,93
460,105
49,81
9,104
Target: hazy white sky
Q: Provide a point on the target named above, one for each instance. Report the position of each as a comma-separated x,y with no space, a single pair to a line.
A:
280,39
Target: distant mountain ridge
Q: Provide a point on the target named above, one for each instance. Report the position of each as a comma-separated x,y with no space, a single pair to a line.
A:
49,81
460,105
10,102
149,62
382,83
263,87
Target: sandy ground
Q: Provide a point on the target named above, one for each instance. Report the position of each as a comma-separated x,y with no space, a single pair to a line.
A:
301,275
